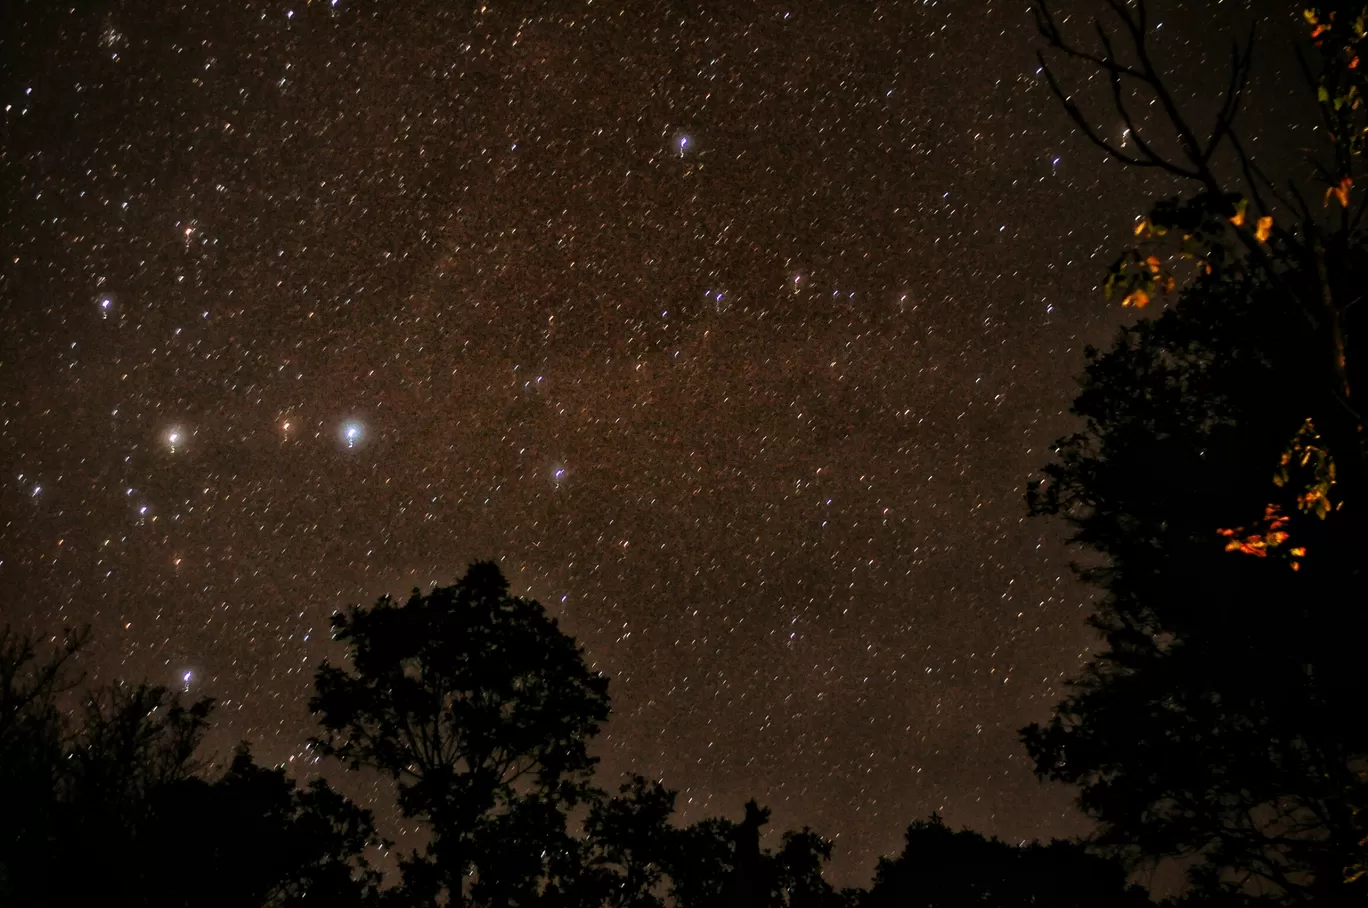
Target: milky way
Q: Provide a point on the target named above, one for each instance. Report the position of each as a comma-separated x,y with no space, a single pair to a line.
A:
733,330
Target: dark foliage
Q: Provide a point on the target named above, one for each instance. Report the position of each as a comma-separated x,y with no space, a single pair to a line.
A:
468,686
1220,721
262,839
480,709
939,868
715,862
111,808
1222,475
631,842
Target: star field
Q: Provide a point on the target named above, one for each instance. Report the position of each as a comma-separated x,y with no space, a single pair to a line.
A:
734,330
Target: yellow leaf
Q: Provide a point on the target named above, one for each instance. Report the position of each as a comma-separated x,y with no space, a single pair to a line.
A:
1140,226
1136,298
1264,228
1340,192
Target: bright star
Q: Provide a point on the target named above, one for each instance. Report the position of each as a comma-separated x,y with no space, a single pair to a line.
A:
174,437
352,433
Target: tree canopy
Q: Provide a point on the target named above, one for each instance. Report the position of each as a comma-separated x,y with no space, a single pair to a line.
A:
939,867
1220,472
481,710
107,804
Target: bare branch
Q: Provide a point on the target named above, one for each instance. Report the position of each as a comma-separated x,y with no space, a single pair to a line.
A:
1253,176
1240,68
1054,39
1076,115
1132,127
1135,27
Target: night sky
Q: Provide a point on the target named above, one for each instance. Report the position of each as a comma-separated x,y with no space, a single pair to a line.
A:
733,330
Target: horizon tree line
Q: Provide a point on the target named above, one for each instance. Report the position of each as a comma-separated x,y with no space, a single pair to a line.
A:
479,709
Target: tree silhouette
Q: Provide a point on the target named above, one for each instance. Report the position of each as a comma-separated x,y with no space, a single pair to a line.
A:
108,805
631,843
260,839
1217,724
1220,472
640,859
799,864
1299,234
480,708
32,754
939,868
719,862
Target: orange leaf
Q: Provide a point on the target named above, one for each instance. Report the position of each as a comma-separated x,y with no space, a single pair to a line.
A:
1136,298
1264,228
1340,192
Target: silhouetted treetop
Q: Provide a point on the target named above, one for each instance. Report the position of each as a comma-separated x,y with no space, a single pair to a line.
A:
109,804
481,709
941,868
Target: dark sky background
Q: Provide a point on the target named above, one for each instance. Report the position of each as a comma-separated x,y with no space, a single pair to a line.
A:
733,330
